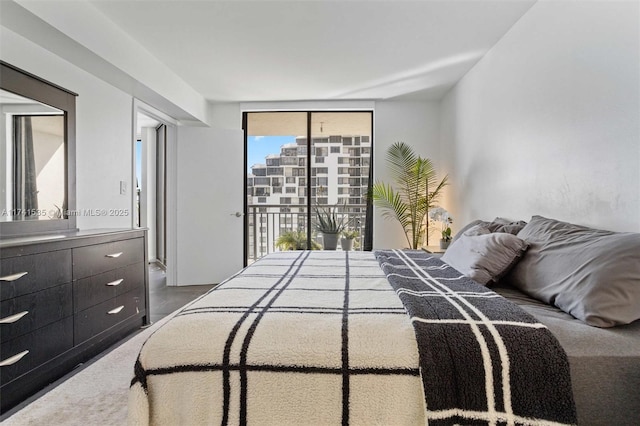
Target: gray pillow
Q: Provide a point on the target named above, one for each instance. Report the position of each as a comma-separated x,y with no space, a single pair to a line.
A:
591,274
467,227
500,224
484,256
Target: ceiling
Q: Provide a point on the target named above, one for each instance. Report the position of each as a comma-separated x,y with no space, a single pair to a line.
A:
316,50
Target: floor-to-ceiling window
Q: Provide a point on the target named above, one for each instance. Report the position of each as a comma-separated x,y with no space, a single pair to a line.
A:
302,163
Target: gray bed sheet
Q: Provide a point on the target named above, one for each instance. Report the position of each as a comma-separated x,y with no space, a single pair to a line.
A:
605,362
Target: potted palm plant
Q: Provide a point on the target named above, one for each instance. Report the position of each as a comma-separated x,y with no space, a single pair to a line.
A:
295,240
414,191
330,223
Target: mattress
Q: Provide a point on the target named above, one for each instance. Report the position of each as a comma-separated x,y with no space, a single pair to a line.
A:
604,362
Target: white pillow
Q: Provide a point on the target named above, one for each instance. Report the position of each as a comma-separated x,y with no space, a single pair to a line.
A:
484,256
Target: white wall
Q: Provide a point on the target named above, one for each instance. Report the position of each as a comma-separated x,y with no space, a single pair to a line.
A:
417,124
103,130
548,121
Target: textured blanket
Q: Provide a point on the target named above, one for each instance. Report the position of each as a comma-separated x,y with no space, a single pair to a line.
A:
483,360
297,338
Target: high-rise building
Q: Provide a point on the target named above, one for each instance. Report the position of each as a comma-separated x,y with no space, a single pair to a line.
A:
277,189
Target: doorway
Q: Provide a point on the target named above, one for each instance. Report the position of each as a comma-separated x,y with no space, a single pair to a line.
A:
150,185
300,163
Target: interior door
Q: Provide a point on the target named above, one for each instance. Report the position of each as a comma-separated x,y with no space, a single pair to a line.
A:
161,178
209,193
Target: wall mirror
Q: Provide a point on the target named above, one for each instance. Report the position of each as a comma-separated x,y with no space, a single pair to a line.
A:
37,155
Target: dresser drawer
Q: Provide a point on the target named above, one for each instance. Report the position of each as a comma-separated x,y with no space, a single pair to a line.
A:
24,314
42,345
99,258
92,290
27,274
99,318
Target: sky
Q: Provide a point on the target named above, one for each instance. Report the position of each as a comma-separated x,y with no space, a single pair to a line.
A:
258,147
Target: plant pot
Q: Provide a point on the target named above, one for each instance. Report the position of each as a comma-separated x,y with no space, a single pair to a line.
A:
444,244
329,241
347,244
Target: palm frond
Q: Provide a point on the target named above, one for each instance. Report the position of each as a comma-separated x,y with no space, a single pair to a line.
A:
410,198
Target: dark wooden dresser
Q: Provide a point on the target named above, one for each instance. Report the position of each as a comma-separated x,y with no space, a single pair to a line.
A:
64,299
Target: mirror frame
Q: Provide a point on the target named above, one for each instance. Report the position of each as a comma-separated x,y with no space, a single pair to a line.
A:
20,82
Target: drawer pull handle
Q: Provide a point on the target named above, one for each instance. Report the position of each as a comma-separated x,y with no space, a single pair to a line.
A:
115,283
114,255
14,276
116,310
13,318
12,360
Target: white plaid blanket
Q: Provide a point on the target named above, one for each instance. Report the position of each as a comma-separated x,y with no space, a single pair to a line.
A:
297,338
483,360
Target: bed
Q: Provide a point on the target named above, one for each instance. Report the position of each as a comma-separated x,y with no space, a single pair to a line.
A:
321,337
604,362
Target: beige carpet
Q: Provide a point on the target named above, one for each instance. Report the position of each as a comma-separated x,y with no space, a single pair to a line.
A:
96,395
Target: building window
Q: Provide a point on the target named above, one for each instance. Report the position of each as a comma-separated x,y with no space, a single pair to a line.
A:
335,150
262,199
322,152
290,189
289,161
291,180
277,190
285,200
319,159
262,181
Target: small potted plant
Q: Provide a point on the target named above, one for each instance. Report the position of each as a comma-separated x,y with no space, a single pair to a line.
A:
331,224
446,236
347,239
438,214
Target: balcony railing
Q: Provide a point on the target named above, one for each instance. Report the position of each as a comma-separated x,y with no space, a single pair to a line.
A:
266,222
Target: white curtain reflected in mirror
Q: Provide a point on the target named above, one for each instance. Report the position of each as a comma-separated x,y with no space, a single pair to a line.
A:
33,160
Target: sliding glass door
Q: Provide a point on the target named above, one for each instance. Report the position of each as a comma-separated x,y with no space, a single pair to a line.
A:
300,164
